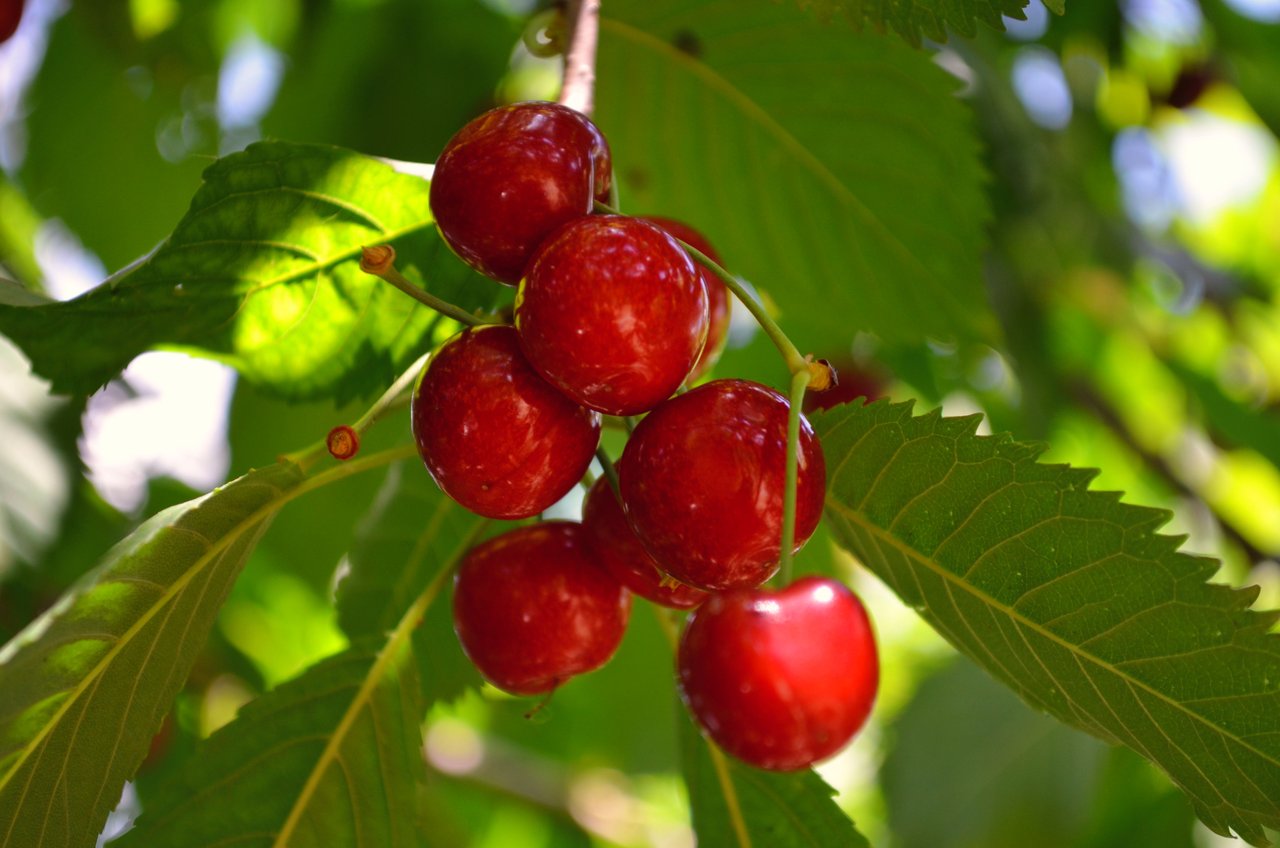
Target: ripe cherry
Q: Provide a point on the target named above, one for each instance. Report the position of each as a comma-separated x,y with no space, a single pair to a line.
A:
10,17
781,679
611,311
496,437
702,480
532,608
623,555
718,301
510,177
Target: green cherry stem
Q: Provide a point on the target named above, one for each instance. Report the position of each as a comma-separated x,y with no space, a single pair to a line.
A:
380,261
802,369
799,382
790,353
396,395
610,473
794,359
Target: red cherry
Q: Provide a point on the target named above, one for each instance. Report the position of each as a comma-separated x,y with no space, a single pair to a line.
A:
623,555
532,608
612,312
496,437
10,16
781,679
718,301
510,177
702,480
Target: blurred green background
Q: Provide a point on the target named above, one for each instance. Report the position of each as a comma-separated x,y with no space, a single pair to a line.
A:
1133,263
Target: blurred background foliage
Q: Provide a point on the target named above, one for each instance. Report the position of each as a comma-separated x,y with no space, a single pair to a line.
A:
1133,263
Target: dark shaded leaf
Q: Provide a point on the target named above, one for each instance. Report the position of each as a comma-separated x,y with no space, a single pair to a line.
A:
1069,597
856,160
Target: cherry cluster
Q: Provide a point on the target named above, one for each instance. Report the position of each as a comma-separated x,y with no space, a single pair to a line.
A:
613,317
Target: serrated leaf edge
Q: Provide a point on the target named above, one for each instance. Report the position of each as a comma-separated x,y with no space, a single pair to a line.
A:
260,516
1028,453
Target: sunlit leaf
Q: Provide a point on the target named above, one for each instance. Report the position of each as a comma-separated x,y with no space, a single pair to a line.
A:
1068,596
735,805
83,689
264,271
918,19
828,167
1230,420
330,758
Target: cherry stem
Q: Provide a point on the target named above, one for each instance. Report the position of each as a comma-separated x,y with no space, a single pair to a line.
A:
394,397
795,361
802,371
629,422
790,353
578,88
380,262
718,761
799,382
610,473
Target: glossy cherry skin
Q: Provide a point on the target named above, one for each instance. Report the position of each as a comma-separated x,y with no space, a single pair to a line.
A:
612,312
702,480
532,608
496,437
10,17
718,300
624,556
513,175
783,679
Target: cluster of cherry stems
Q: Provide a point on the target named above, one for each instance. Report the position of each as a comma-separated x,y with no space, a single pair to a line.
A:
612,316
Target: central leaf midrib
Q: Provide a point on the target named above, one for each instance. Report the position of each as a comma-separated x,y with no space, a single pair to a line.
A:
390,650
215,550
1013,614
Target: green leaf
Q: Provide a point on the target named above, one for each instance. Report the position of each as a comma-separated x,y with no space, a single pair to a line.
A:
84,687
971,765
329,758
735,805
411,531
1232,421
1068,596
264,271
849,165
97,124
917,19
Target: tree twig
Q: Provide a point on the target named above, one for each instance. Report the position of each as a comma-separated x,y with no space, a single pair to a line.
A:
578,90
